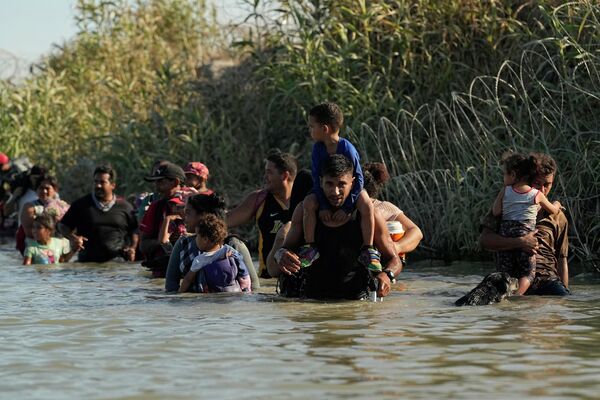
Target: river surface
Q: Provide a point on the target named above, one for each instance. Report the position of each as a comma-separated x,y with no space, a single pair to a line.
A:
109,332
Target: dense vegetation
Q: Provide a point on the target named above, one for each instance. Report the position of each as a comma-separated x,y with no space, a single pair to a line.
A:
436,89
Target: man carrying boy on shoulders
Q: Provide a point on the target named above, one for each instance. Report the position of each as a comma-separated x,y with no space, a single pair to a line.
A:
338,272
325,121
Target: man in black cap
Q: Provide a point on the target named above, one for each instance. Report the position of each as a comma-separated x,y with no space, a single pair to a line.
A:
167,178
100,225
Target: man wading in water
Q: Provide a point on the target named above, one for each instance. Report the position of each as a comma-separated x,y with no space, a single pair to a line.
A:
336,274
268,207
549,242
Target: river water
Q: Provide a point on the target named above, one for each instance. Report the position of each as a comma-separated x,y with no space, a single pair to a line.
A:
109,332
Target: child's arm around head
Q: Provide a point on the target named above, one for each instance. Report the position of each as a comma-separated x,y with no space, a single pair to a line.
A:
552,208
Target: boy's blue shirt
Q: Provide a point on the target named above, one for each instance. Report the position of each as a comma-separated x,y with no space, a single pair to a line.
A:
319,155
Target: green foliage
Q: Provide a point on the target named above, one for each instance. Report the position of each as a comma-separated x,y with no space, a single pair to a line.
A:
375,57
117,92
444,156
436,89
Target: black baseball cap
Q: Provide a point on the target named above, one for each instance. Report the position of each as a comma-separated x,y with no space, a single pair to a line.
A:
167,170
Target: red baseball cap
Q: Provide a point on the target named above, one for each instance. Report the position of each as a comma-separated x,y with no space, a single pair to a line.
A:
196,168
4,159
178,198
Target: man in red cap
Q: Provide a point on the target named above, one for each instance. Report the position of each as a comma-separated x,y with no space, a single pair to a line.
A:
196,177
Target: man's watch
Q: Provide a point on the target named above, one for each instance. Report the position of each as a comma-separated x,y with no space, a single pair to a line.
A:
390,275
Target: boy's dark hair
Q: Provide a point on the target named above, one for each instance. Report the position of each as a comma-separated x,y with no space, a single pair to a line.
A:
211,204
45,220
337,165
106,169
545,164
375,175
328,114
212,228
284,162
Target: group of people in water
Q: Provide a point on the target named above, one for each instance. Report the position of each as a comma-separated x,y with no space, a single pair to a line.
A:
322,233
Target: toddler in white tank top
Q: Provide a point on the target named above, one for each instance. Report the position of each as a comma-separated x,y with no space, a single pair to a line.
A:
518,204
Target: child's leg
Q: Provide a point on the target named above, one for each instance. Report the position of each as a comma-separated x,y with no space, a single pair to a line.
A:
309,253
369,255
367,217
524,283
309,219
527,265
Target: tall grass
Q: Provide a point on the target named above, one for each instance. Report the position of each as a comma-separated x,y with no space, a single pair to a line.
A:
436,89
444,157
119,92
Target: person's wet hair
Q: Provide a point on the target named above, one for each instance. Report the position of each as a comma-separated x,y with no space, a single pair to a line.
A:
45,220
211,204
106,169
328,114
212,228
302,186
375,177
284,162
336,166
545,164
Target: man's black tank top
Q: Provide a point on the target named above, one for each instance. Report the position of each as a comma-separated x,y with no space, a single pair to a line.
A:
270,216
337,274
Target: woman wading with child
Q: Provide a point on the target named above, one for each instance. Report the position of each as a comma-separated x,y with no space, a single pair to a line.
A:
186,249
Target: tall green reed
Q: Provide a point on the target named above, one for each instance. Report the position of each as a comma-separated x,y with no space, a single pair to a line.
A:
445,157
436,89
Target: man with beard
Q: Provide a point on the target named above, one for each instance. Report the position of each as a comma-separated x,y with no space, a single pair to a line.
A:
338,273
100,225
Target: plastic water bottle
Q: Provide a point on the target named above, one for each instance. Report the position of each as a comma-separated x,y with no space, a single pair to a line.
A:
373,292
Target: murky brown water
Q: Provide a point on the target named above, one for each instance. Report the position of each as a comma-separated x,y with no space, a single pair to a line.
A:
104,332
